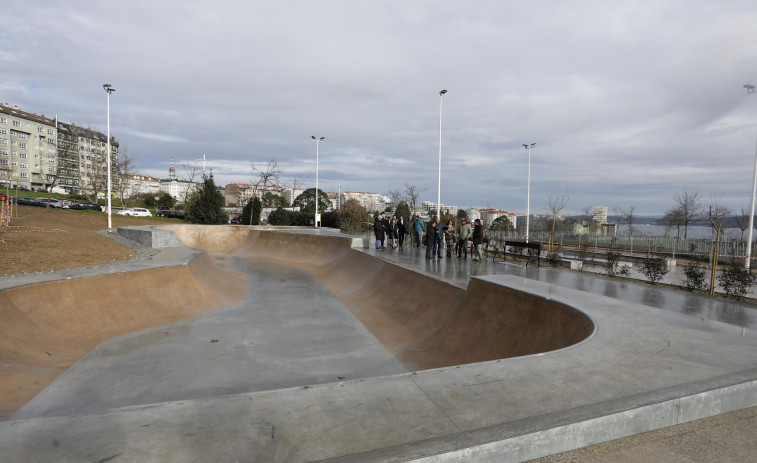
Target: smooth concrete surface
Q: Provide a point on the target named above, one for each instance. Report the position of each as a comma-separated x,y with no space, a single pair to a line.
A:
457,271
150,235
641,369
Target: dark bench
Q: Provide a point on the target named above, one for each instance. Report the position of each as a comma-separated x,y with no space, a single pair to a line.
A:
521,244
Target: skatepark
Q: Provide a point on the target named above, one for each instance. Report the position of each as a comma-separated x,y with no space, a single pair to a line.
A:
245,344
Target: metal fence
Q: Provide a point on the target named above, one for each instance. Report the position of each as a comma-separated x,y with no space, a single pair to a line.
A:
728,249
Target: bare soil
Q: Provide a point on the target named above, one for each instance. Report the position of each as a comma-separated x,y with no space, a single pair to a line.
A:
42,240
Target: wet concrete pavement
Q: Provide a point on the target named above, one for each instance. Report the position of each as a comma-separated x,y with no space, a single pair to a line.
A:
459,270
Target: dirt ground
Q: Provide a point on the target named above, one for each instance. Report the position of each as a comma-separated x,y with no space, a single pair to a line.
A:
40,240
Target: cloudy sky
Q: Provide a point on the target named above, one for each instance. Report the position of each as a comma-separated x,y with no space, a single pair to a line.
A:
627,102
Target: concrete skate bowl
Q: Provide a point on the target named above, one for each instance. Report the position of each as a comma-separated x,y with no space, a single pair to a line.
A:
47,327
425,322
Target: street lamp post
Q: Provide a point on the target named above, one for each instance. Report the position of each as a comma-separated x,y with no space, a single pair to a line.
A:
528,190
317,141
749,90
108,89
439,183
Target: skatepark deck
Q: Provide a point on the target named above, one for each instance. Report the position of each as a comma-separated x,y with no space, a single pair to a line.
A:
336,354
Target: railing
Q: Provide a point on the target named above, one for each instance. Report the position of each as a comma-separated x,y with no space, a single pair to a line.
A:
701,248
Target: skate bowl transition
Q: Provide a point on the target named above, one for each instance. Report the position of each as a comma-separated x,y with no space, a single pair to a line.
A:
240,343
423,321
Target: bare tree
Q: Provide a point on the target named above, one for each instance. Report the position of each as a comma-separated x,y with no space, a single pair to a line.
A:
412,193
718,214
672,218
587,213
395,196
556,203
626,217
192,171
742,221
127,169
689,207
267,174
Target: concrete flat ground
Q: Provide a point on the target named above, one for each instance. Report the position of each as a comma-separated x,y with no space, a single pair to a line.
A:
291,373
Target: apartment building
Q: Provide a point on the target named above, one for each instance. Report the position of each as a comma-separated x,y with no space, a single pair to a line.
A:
372,202
136,184
239,194
600,214
27,149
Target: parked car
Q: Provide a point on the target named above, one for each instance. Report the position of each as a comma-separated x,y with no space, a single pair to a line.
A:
171,214
27,201
56,203
137,212
85,205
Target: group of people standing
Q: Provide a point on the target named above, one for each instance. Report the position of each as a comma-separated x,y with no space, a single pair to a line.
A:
391,233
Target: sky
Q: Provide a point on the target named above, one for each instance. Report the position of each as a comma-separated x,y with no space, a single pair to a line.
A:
628,103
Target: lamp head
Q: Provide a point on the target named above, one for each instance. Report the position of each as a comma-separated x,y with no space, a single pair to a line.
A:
749,88
313,137
323,138
442,92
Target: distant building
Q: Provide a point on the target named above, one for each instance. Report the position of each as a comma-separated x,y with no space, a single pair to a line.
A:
428,206
134,184
239,194
372,202
600,214
28,154
492,215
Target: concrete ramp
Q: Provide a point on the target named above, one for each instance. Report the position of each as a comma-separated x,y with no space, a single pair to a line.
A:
425,322
47,327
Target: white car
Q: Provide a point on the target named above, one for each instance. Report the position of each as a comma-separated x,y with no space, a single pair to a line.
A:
136,211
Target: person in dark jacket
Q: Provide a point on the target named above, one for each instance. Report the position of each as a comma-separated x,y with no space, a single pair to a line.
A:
387,229
378,230
401,231
439,242
450,236
478,240
431,238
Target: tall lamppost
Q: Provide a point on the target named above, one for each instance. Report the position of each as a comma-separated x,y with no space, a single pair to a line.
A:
439,184
317,141
749,90
108,89
528,190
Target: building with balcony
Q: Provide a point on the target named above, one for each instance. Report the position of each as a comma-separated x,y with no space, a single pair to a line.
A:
28,154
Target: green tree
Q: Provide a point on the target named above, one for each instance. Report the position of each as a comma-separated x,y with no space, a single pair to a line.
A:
353,216
462,214
166,200
206,205
306,201
149,201
273,200
501,224
251,212
403,210
280,216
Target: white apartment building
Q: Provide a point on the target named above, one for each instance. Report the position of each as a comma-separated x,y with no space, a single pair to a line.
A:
600,214
427,206
239,194
134,184
372,202
28,154
492,215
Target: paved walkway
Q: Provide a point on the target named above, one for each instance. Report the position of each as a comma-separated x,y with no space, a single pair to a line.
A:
459,271
730,437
